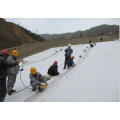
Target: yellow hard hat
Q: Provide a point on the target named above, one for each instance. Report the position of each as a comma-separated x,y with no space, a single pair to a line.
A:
33,70
73,57
15,53
44,87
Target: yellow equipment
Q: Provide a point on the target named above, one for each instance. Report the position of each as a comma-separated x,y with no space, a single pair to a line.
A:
44,87
15,53
33,70
73,57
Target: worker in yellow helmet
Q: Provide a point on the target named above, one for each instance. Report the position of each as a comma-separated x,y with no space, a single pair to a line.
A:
73,57
15,53
72,62
12,71
37,81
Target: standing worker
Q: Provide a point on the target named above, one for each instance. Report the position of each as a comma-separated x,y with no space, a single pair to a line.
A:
3,73
12,71
68,53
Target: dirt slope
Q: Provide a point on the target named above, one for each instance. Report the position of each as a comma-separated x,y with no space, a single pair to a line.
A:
11,35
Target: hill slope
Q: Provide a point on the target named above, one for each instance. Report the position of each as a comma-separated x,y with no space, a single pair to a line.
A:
12,35
92,32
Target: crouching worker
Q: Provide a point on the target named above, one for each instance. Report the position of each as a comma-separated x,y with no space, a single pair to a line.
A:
53,70
37,81
72,62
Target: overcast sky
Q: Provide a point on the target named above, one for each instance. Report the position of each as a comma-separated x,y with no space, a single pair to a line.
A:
61,25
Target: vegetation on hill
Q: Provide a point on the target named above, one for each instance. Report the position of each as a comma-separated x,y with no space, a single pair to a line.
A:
12,35
92,32
28,43
32,35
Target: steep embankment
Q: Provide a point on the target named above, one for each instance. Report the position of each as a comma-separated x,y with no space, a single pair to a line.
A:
11,35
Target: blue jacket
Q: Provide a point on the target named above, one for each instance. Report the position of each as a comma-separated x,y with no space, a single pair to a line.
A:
72,62
68,52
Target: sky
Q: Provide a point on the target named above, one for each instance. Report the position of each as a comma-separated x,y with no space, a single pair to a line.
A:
61,25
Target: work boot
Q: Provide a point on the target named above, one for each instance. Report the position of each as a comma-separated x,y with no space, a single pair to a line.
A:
13,91
40,88
9,93
33,89
68,67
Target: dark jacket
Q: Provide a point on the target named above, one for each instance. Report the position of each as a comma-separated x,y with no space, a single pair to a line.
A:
13,70
3,67
68,52
53,70
91,45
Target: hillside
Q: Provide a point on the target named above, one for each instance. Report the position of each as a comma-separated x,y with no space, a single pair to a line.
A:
32,35
102,30
92,32
12,35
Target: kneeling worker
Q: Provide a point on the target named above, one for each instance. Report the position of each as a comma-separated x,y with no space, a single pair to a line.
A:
37,81
72,62
53,70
